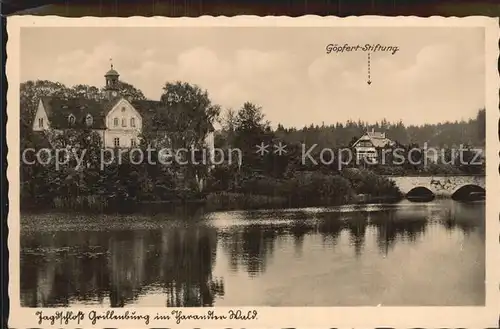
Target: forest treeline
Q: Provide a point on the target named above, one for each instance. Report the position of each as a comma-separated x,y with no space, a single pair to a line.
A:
271,180
448,134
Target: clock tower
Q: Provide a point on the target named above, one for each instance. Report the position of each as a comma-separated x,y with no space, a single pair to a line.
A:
112,87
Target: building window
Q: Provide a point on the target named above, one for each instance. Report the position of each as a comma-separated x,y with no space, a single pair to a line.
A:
124,122
89,120
123,109
115,122
133,143
71,119
116,142
132,122
40,122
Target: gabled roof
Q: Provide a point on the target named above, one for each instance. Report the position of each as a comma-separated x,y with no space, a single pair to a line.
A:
154,113
378,139
58,111
375,134
148,108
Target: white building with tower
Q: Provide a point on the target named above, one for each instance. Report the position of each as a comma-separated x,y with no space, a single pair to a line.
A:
118,120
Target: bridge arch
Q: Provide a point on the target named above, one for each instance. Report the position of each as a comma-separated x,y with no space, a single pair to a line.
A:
468,192
420,194
441,186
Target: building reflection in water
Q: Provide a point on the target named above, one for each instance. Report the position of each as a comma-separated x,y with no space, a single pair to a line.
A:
58,267
116,267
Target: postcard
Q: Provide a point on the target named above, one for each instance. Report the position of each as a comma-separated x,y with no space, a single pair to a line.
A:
253,172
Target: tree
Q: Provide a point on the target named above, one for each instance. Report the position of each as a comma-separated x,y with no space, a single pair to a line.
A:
481,125
228,122
129,90
78,169
413,157
191,113
251,119
87,92
251,130
32,91
353,140
187,117
469,160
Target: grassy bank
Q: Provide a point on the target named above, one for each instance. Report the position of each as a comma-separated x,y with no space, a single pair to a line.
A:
305,189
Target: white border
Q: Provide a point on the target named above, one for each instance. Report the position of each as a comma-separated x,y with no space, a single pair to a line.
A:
326,317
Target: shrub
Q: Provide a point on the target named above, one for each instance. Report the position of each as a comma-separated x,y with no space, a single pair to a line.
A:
367,182
300,189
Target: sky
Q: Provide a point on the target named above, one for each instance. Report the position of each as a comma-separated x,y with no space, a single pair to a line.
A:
437,75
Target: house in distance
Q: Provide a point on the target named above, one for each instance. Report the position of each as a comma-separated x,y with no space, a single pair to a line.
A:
366,146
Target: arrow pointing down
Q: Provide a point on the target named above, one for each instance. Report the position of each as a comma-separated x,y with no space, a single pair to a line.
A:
369,82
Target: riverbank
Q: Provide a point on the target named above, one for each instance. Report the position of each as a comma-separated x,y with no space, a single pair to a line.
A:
301,189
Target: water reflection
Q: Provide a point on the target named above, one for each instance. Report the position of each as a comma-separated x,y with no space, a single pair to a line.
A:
165,263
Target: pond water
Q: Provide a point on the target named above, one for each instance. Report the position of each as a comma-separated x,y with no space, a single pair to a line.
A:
389,255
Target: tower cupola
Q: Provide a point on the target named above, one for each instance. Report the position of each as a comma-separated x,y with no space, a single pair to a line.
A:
112,87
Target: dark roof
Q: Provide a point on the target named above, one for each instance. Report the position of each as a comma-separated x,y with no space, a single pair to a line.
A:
378,139
111,72
375,134
58,111
148,108
153,113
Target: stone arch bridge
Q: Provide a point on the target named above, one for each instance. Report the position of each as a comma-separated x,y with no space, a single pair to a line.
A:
444,186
